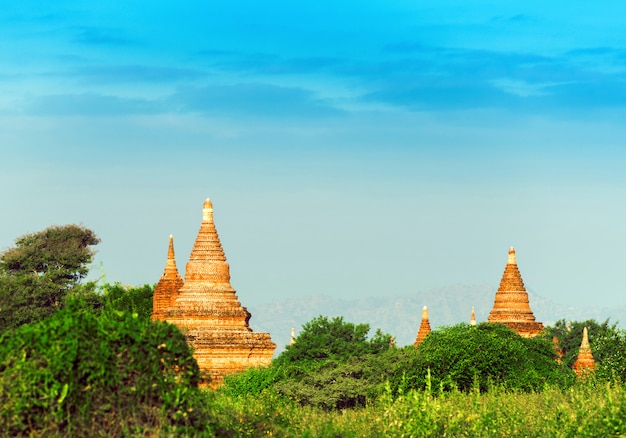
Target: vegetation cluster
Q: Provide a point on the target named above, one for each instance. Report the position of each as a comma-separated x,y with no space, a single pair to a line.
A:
85,359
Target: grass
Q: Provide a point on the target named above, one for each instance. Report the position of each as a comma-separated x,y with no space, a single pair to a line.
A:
587,409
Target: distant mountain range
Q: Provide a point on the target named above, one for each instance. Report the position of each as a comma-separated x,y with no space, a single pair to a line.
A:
401,315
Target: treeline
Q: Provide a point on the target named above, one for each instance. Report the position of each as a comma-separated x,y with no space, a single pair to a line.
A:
81,359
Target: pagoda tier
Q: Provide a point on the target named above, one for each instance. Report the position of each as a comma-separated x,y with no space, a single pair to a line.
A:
511,306
167,288
585,362
424,329
207,310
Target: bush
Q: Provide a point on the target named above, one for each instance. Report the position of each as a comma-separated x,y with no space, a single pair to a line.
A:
466,357
77,373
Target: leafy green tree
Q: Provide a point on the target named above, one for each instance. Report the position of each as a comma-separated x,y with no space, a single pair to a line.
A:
76,373
61,254
610,350
38,272
569,335
323,338
466,357
332,365
131,299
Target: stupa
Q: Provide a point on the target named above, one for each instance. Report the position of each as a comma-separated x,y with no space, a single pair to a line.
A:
511,306
206,309
424,328
167,288
585,362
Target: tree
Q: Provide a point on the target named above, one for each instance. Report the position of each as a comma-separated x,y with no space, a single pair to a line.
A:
38,272
76,373
131,299
569,335
465,357
332,365
323,338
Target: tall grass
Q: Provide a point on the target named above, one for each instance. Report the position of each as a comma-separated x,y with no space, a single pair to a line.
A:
586,409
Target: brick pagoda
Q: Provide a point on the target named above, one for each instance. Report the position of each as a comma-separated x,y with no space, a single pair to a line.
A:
585,362
206,309
424,328
511,306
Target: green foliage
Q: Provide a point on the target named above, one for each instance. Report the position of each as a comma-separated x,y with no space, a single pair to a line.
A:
76,371
609,349
334,339
59,253
584,410
129,299
332,365
340,385
570,338
465,357
37,274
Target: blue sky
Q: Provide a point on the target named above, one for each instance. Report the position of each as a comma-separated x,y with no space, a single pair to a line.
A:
378,149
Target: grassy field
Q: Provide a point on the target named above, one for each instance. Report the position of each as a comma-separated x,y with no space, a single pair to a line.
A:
587,409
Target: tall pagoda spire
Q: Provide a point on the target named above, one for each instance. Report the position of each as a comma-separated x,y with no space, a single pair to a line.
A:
424,328
167,288
207,261
585,362
511,306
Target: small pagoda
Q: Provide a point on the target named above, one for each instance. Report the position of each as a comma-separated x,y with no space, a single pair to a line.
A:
511,306
206,309
424,328
169,285
585,362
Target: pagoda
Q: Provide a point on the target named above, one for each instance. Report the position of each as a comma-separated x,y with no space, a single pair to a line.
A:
206,309
585,362
167,288
511,306
424,328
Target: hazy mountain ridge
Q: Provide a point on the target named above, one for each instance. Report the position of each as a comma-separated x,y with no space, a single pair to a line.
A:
400,315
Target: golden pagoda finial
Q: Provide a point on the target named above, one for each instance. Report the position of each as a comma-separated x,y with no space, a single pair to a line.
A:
170,250
293,336
512,259
207,211
425,313
584,345
473,320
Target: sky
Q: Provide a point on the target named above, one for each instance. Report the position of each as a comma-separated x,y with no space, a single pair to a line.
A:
350,149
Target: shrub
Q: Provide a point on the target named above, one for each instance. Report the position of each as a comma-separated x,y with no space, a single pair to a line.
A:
77,373
466,357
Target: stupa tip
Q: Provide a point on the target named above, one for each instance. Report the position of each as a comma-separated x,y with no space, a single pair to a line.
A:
585,341
207,211
170,250
512,259
425,313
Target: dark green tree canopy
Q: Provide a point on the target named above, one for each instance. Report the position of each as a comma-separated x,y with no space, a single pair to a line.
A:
463,356
570,334
40,270
60,253
324,338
